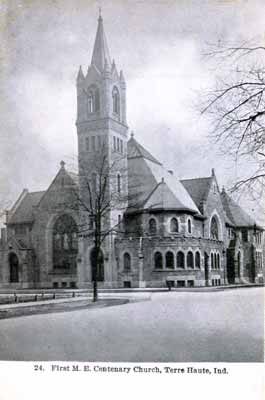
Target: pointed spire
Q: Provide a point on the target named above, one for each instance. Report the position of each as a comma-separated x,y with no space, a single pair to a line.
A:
80,75
101,51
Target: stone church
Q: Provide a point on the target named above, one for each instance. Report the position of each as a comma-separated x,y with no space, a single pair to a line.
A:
164,231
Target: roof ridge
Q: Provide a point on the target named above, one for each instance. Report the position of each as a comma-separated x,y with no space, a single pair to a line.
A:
37,191
195,179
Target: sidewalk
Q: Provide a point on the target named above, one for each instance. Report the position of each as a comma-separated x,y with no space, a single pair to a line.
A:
59,306
88,292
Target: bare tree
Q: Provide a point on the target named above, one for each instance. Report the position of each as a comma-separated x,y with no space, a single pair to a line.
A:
236,107
100,199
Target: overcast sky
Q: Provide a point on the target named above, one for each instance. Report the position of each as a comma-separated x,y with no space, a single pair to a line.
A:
158,45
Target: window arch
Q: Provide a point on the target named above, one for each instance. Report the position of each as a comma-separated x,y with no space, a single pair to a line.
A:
180,259
174,226
212,261
190,260
218,261
158,258
65,242
215,261
214,231
197,260
152,226
116,100
118,183
127,262
189,225
93,101
169,260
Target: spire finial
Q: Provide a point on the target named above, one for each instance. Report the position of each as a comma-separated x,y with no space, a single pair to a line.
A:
62,163
99,14
132,134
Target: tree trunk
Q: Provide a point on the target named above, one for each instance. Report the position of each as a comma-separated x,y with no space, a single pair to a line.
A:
95,290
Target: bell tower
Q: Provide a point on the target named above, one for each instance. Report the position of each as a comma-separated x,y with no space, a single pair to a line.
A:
102,132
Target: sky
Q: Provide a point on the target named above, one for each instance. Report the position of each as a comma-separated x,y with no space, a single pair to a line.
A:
160,47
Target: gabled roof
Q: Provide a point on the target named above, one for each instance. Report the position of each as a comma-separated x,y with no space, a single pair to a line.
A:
163,198
198,188
135,150
24,211
235,213
151,186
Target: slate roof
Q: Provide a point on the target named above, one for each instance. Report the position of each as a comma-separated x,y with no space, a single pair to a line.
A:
154,186
235,213
24,211
74,177
198,188
135,150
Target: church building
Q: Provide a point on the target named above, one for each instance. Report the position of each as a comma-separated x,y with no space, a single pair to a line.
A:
157,230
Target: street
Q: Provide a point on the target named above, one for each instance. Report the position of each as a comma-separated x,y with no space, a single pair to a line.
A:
225,326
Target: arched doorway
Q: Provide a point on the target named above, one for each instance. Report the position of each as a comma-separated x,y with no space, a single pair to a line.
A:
97,266
13,268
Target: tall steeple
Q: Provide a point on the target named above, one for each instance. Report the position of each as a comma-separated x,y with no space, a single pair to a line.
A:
102,141
101,54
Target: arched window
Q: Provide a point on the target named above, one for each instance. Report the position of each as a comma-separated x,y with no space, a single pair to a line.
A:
152,226
65,242
214,234
13,268
190,260
218,261
180,260
174,226
118,183
169,260
116,100
212,263
158,258
90,103
189,226
197,260
93,102
215,261
127,262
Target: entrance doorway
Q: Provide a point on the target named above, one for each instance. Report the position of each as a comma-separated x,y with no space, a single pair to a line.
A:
97,265
13,268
